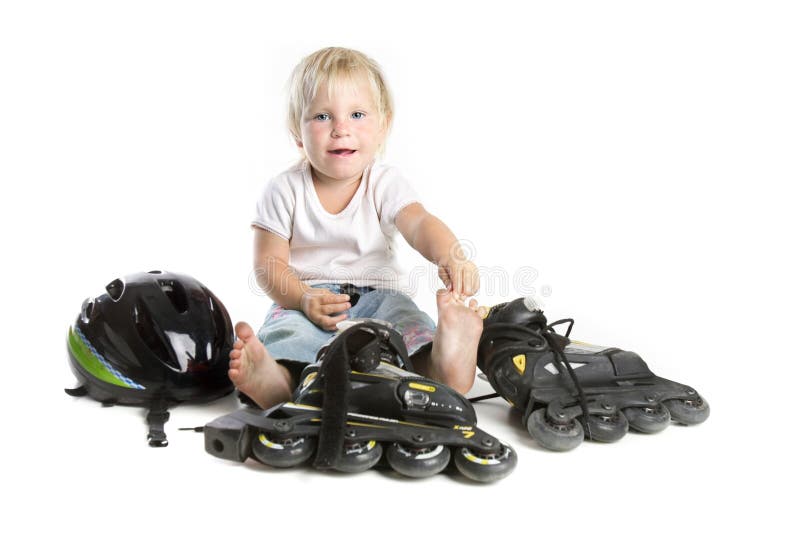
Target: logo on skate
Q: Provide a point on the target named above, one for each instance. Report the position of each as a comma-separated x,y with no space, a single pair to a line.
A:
553,371
465,430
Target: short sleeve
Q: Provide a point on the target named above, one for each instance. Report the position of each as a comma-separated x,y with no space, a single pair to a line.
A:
392,194
275,207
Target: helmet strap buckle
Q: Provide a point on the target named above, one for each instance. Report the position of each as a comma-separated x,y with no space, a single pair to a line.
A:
157,416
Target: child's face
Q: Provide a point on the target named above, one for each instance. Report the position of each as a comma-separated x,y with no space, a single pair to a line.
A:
341,132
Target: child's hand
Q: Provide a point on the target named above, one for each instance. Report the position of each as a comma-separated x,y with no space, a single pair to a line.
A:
319,304
460,277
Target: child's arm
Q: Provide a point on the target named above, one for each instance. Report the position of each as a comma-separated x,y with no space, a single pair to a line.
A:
278,280
433,239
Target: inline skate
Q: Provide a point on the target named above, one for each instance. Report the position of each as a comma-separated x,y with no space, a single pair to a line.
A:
568,391
359,398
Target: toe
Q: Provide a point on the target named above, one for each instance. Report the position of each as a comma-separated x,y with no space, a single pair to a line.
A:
442,298
243,331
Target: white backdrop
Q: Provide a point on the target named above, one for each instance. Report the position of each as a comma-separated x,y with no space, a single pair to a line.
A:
630,162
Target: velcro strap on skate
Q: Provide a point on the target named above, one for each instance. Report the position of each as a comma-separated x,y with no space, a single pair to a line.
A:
336,370
359,348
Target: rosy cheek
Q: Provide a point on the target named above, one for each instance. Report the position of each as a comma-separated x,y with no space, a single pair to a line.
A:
314,131
367,128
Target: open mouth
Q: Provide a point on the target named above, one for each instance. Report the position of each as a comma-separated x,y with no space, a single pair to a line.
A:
342,152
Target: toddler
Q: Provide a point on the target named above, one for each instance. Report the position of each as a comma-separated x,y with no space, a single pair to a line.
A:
324,233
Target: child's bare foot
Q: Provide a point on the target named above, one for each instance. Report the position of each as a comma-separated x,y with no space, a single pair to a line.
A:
455,345
255,373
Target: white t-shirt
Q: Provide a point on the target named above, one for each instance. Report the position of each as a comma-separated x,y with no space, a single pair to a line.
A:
355,245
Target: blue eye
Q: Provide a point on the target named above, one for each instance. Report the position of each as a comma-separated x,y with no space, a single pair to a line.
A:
321,117
358,115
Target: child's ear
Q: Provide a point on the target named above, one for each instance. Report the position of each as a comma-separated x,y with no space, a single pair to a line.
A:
387,123
298,142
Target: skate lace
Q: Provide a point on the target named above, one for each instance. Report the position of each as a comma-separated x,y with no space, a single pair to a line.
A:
557,343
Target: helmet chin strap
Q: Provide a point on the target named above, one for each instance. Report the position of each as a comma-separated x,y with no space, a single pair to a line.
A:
77,391
157,416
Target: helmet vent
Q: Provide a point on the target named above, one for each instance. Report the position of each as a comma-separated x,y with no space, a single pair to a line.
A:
86,310
176,294
219,325
154,272
115,289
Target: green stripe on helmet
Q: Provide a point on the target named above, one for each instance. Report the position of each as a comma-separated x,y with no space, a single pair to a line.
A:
84,356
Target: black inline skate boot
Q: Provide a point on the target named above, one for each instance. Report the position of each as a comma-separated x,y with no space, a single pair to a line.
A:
360,398
571,390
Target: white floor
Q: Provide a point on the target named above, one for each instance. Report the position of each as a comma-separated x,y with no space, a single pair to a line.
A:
633,163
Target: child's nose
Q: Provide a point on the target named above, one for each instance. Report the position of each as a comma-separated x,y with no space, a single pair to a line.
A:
339,128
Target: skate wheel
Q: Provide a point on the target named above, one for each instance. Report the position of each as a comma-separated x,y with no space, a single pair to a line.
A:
607,428
288,452
688,411
417,463
359,456
554,436
485,467
648,419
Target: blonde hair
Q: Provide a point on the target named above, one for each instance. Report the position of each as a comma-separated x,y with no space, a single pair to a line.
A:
332,67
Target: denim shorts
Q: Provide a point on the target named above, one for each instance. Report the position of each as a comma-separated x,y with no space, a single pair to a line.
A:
290,335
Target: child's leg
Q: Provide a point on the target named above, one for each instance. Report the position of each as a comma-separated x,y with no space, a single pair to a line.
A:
453,353
290,335
416,327
287,335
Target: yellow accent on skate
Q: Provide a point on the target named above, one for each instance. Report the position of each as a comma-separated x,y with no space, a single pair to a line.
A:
465,430
422,387
309,379
472,458
519,363
267,443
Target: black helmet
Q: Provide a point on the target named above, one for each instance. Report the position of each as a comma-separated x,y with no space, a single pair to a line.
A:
152,339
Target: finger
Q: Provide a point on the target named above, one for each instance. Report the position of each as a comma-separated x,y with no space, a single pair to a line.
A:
335,298
329,323
476,281
469,290
315,293
458,282
328,309
324,322
444,276
473,305
471,283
